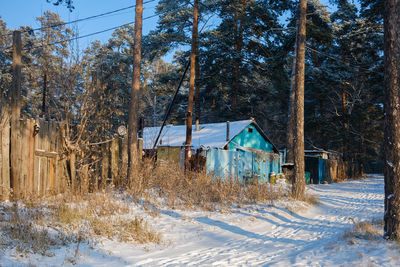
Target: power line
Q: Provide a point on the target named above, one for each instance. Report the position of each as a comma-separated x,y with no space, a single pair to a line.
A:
93,33
80,20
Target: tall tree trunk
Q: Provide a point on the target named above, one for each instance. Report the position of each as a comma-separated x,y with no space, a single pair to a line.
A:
290,132
135,92
189,117
344,105
299,166
345,117
197,89
392,120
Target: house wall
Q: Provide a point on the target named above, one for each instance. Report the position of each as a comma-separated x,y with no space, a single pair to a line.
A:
244,165
250,140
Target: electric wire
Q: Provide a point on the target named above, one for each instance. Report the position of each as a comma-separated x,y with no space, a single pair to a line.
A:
85,35
91,34
80,20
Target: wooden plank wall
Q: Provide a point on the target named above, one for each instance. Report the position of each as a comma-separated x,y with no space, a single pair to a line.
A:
4,159
48,166
42,168
37,147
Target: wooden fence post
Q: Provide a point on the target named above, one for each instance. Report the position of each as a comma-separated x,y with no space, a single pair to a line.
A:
31,155
123,158
140,148
5,159
24,128
105,163
72,166
114,162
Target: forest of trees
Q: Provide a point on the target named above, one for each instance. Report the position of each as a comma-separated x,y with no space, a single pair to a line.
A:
245,57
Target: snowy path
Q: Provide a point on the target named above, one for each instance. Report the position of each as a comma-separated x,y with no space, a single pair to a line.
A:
270,235
259,235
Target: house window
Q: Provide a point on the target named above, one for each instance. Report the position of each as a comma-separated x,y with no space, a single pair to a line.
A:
250,130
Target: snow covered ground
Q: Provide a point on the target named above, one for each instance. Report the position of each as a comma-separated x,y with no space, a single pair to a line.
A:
283,234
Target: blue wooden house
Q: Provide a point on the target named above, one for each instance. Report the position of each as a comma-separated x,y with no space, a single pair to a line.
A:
238,149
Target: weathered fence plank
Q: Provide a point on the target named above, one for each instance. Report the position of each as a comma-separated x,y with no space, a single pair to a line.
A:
5,159
31,142
24,141
36,164
123,164
105,163
114,160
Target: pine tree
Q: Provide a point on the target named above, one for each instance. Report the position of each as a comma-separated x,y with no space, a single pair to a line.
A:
392,120
133,156
299,165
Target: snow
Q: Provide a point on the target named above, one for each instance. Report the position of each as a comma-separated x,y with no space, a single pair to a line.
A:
212,135
252,235
390,164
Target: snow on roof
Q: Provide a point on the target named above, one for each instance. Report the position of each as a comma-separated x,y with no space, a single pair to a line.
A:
211,135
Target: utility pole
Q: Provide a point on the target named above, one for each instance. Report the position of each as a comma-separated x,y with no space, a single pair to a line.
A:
44,95
189,116
299,164
133,155
45,70
15,99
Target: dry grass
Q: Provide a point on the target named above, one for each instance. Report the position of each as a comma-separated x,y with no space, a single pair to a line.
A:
23,230
307,198
137,230
364,230
311,199
295,207
196,189
103,216
39,225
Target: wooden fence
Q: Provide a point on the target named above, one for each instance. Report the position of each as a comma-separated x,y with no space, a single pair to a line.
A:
112,167
38,166
41,166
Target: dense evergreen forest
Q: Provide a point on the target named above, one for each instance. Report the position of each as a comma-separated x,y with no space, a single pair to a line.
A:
245,57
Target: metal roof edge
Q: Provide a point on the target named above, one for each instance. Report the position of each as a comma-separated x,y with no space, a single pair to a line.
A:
253,122
264,135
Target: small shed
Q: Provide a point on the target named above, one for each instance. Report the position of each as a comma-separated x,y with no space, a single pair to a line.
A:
322,165
231,149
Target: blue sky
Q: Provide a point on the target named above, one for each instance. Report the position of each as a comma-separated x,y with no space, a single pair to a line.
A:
23,12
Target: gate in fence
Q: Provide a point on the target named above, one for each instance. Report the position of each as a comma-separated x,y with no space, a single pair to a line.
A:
39,167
